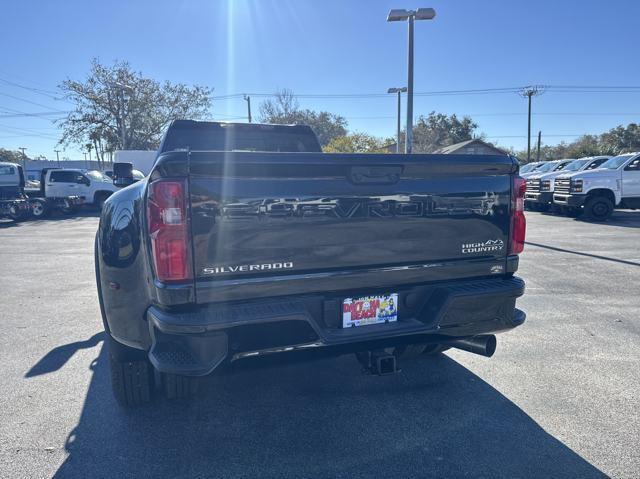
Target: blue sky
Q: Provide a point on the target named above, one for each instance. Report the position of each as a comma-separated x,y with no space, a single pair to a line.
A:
334,47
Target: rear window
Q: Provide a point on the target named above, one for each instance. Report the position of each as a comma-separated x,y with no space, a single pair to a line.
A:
98,176
66,177
7,170
216,138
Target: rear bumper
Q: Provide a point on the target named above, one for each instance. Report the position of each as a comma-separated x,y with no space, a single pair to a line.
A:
196,342
542,198
569,200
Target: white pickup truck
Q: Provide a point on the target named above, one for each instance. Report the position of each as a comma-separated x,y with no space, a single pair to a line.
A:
537,197
93,187
540,187
596,193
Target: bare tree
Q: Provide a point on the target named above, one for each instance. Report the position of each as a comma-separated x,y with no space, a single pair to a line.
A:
283,106
284,109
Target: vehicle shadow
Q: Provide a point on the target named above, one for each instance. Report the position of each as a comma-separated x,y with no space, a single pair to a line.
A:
622,218
319,419
8,223
58,357
580,253
53,217
82,213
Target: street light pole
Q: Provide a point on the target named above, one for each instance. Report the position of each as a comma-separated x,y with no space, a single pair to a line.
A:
398,126
408,141
399,91
410,16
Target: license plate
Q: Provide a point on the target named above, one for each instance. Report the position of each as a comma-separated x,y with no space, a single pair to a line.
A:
369,310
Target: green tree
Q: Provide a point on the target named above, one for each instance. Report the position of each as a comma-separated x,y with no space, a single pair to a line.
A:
621,139
117,108
284,109
586,145
356,143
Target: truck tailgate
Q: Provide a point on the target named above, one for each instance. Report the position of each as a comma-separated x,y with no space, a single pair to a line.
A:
269,224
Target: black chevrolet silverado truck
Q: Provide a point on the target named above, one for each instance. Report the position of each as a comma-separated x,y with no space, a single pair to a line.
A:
246,241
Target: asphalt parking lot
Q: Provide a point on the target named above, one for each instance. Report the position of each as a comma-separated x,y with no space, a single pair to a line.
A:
560,398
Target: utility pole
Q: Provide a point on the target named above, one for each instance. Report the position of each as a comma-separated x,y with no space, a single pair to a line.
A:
24,158
248,100
529,92
399,91
85,160
58,157
539,141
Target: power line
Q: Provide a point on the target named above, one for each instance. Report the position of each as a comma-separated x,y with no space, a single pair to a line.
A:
636,87
370,95
12,74
40,115
48,93
29,101
563,88
28,135
28,130
556,135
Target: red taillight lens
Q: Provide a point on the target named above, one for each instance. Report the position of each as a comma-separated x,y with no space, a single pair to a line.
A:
168,230
518,221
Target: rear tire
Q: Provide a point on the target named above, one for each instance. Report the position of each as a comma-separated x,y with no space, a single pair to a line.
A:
131,375
17,215
598,208
176,386
68,209
99,199
39,209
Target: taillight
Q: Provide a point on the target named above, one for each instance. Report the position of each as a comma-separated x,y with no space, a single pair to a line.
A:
518,221
168,230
